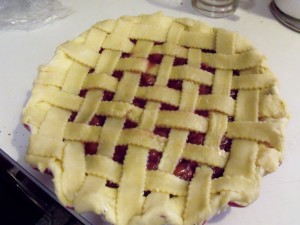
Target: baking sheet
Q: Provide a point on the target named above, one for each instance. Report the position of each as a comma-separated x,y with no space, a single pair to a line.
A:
22,52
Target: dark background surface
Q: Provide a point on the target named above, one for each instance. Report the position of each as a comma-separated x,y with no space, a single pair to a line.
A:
22,202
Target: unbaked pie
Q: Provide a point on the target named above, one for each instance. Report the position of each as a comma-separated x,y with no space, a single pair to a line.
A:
155,120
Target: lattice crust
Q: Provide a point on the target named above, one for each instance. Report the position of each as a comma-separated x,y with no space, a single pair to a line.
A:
153,85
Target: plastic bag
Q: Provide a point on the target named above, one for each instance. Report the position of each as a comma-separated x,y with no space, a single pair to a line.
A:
30,14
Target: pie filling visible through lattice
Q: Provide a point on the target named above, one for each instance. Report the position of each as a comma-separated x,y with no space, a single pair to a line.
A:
155,120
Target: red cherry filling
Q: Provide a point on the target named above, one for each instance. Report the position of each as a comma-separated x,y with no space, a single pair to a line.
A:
230,118
119,154
108,96
72,117
129,124
158,43
207,68
236,72
97,121
204,90
101,50
111,184
212,51
226,144
92,70
27,127
234,204
118,74
146,193
217,172
196,138
179,61
153,160
185,169
125,55
47,171
155,58
172,196
234,93
90,148
147,80
175,84
134,41
139,102
161,131
204,113
168,107
83,92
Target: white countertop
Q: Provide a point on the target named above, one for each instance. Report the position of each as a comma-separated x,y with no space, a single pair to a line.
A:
23,51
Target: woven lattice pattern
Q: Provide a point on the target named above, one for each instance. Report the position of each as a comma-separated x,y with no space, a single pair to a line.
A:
153,120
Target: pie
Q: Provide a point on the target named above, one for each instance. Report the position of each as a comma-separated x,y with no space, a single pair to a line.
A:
151,119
